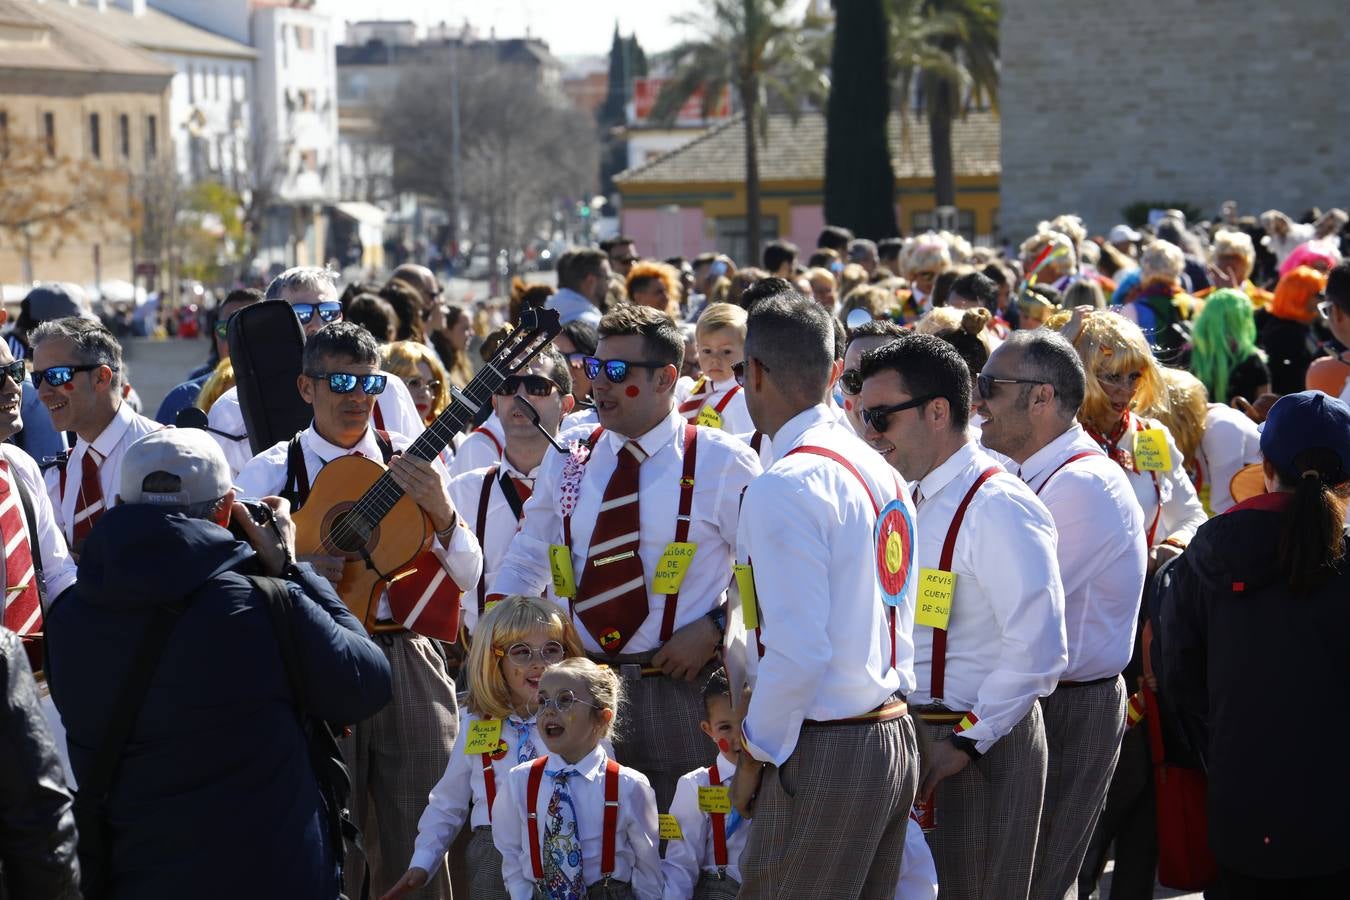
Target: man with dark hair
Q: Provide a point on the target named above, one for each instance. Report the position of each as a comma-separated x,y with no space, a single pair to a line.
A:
864,253
836,238
422,280
867,336
832,659
396,757
77,367
780,258
622,253
639,496
972,290
989,636
1030,391
214,792
888,255
186,393
583,280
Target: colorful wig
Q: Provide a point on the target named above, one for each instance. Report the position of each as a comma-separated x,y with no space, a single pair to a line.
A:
1224,335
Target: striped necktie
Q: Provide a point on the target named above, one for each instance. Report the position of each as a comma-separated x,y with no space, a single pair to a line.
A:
23,613
612,596
89,502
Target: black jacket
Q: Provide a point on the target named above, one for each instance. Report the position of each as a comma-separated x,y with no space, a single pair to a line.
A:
1266,671
37,829
216,796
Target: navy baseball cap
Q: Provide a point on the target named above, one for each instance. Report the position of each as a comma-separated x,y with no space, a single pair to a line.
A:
1304,421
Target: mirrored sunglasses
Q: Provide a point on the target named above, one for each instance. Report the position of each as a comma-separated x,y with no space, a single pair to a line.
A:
345,382
329,311
15,371
851,382
616,370
59,375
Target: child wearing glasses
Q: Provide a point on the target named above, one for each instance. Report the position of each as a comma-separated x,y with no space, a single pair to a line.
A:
518,639
715,399
575,823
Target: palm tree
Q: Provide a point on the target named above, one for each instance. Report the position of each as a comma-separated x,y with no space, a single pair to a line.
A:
950,52
756,49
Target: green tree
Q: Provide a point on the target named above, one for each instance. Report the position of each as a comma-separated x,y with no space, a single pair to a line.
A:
627,61
755,48
948,51
859,180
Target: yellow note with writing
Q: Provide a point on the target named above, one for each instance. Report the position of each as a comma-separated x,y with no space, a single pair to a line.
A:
1150,451
714,799
934,606
483,737
560,563
745,583
669,827
674,564
709,417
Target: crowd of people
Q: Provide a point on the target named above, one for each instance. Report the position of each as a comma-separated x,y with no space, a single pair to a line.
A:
908,569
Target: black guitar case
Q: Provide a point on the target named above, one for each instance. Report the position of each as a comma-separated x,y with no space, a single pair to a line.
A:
266,345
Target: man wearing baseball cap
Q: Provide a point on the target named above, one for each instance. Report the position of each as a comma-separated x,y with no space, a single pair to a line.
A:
221,769
1254,625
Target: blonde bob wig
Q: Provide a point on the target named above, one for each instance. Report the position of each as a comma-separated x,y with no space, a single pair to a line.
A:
507,623
1112,345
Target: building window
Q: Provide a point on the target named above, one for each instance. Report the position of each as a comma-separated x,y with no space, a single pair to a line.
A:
304,37
191,79
732,235
151,138
309,160
124,135
965,223
95,138
49,132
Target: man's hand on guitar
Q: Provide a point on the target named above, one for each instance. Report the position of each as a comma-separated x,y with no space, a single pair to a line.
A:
329,567
422,481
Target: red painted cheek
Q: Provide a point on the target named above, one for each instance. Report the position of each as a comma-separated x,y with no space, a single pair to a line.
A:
68,387
848,406
724,745
632,390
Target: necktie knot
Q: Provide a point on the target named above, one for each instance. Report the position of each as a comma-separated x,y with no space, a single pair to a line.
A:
632,455
561,775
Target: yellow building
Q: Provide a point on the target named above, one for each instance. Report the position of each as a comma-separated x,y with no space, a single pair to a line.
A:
91,105
692,199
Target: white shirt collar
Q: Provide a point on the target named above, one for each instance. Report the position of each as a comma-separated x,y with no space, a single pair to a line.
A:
790,434
112,433
651,442
1043,458
939,478
725,767
327,451
588,767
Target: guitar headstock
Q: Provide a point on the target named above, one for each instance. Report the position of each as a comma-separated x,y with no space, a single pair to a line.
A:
536,328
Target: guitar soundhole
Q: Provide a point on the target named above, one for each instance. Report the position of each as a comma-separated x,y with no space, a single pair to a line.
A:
350,531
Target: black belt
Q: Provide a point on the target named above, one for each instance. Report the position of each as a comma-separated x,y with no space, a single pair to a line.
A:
1090,683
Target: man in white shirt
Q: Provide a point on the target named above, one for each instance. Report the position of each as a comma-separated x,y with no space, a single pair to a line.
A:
1030,392
644,599
583,279
989,636
507,486
77,367
826,554
398,755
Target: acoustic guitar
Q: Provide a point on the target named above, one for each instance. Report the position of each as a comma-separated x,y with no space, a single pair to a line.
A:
356,512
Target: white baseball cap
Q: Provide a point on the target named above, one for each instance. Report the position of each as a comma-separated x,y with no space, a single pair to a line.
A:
1122,233
190,454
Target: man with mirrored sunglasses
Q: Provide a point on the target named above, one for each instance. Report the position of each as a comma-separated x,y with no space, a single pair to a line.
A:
78,372
639,496
989,635
492,498
398,755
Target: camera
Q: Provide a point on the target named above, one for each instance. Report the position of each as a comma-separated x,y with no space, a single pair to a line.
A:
261,514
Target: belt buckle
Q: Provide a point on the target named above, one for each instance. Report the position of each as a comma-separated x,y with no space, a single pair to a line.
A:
630,671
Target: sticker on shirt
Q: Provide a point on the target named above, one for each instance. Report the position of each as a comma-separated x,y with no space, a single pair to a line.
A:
560,564
745,584
1151,453
934,606
669,827
484,736
894,534
709,417
673,566
714,799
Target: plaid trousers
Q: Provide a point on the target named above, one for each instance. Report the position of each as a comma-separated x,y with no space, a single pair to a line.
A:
988,815
830,822
485,867
1083,728
395,758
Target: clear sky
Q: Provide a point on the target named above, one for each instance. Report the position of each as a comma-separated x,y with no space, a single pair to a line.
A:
571,27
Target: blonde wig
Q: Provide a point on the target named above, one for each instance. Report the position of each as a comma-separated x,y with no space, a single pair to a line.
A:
507,623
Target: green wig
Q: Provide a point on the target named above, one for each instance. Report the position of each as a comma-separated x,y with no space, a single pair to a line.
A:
1223,335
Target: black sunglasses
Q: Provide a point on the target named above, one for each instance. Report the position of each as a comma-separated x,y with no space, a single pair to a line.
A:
616,370
851,382
738,370
59,375
879,417
984,384
535,386
329,311
345,382
15,371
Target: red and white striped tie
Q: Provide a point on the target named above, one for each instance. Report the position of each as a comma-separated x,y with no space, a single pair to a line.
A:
612,596
694,405
89,503
23,612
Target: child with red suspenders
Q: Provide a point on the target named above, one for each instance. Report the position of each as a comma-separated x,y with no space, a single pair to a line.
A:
715,399
519,638
703,859
575,824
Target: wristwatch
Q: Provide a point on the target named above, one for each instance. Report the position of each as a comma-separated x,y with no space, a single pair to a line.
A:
718,617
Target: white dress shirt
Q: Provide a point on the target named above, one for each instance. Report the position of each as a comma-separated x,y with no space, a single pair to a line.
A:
501,525
395,404
722,470
58,569
1231,441
265,476
693,854
1101,552
111,445
1005,637
1181,512
807,530
585,415
477,450
572,306
735,415
636,858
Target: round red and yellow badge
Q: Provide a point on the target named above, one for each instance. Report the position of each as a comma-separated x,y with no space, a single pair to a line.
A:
500,751
895,551
610,638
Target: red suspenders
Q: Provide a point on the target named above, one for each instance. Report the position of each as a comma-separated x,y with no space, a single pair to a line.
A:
937,680
491,437
719,826
611,820
489,779
1072,459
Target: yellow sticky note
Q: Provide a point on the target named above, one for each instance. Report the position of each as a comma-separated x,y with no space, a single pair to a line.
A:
560,562
936,589
709,417
1150,451
487,607
714,799
484,735
674,564
745,583
670,827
